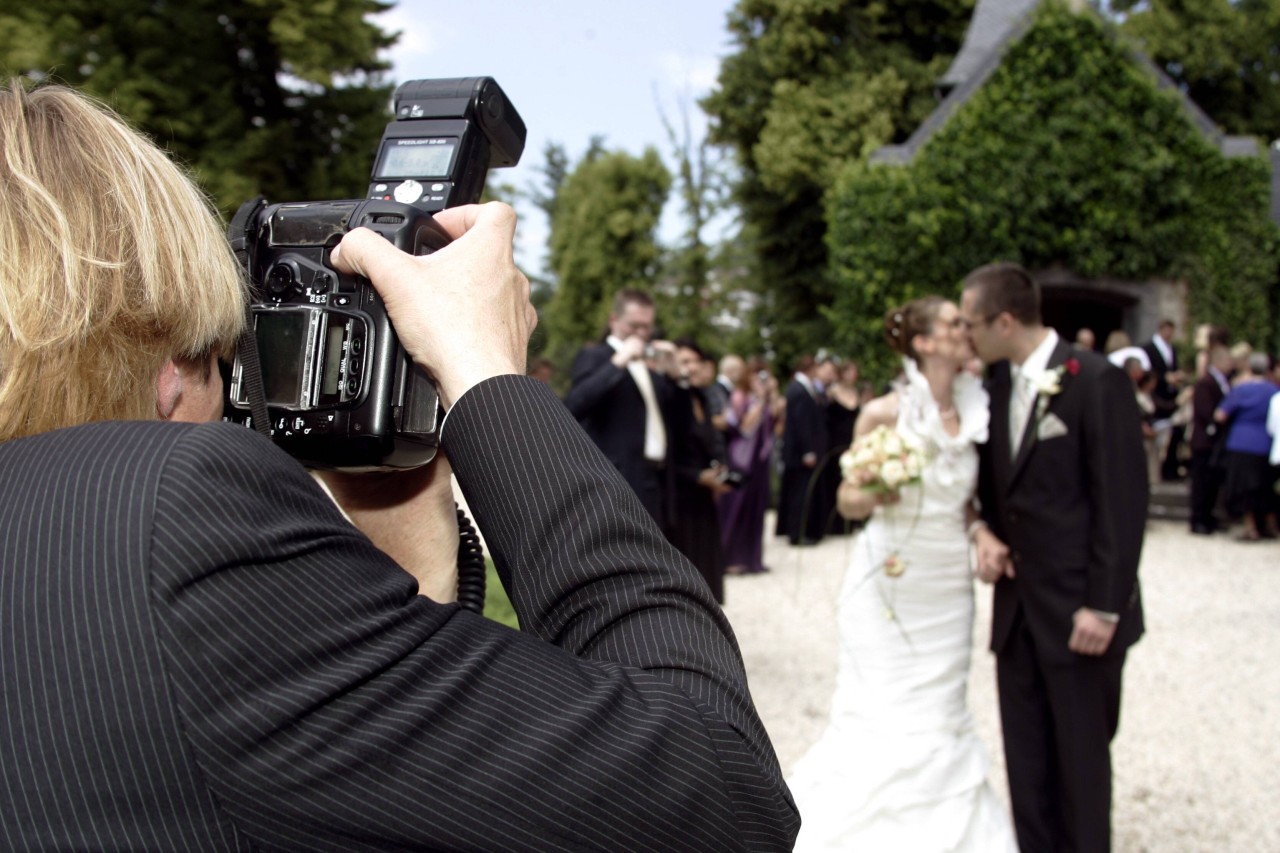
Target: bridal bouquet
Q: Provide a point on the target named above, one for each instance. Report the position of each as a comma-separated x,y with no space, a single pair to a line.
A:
883,460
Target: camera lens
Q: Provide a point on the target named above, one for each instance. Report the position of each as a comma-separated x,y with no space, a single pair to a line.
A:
280,280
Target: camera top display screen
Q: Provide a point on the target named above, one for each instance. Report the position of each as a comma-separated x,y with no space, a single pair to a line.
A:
416,158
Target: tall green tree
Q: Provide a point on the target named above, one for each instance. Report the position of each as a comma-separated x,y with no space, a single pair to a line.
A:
1224,53
603,239
812,85
281,97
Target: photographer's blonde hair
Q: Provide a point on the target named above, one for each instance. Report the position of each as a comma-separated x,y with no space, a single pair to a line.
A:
111,263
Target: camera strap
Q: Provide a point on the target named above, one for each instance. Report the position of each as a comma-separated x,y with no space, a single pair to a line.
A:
250,364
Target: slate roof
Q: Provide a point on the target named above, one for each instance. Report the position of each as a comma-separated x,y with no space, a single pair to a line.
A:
994,26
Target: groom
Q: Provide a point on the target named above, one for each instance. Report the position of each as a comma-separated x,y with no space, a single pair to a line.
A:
1063,488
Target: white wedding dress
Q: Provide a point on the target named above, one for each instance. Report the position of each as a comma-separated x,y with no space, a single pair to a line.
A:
900,767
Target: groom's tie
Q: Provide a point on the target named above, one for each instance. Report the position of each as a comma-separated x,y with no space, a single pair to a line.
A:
1021,400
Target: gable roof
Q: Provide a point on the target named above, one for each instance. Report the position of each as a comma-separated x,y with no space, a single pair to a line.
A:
997,24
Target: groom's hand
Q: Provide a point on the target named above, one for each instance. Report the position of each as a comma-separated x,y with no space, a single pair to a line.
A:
993,557
1091,634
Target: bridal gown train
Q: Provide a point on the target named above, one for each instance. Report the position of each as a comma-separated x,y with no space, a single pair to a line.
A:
900,766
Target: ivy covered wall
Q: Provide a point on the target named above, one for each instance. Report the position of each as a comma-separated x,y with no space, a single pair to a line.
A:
1069,156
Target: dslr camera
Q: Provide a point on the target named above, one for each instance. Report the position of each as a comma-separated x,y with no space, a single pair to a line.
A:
336,387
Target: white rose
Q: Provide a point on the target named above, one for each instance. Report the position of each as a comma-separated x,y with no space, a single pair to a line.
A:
893,445
914,465
1047,384
893,473
864,457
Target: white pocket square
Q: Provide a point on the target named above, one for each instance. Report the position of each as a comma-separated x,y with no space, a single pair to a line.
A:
1051,426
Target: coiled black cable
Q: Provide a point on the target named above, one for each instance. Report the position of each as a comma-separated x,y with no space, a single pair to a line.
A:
471,566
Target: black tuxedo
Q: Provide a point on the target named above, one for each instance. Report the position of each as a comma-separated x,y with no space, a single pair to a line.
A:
804,433
1072,509
607,402
202,654
1165,397
1160,367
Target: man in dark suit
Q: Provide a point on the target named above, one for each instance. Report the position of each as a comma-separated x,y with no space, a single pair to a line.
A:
1063,492
204,654
1206,432
627,408
804,442
1163,356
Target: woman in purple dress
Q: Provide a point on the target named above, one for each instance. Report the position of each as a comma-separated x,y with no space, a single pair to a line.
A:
751,414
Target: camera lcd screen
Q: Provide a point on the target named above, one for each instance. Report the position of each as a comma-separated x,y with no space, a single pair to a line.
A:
416,158
280,343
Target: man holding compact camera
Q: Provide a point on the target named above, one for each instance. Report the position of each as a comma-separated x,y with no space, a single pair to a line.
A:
625,395
204,654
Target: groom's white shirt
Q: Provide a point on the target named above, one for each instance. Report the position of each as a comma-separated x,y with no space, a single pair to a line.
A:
1024,377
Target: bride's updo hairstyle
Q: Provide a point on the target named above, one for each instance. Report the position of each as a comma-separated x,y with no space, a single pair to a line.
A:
917,317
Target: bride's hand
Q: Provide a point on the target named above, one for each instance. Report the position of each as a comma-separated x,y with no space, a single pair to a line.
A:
856,503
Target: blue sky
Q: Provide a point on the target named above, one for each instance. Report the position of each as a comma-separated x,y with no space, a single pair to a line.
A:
573,69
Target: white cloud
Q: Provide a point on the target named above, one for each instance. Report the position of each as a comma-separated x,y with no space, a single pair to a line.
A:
418,37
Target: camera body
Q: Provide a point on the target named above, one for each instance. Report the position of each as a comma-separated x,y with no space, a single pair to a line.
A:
340,390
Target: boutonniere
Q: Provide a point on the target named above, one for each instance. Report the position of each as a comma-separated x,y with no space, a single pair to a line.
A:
1049,383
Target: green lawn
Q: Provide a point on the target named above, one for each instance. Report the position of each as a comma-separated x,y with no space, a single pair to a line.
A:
496,604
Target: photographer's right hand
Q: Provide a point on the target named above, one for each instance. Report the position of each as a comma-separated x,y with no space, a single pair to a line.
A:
462,313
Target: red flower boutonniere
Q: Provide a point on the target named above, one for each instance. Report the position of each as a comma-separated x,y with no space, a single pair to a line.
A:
1049,383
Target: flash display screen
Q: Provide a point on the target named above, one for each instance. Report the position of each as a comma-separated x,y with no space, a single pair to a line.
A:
417,158
281,336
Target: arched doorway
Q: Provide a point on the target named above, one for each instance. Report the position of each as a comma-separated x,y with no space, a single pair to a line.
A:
1069,308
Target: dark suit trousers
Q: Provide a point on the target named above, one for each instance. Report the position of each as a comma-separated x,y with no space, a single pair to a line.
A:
1206,480
1058,723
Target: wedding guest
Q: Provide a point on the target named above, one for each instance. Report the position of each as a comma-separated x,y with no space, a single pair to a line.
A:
699,472
731,369
543,369
1249,476
1119,349
1152,435
624,404
753,411
844,402
1163,357
1240,352
804,442
1207,337
1085,339
1206,433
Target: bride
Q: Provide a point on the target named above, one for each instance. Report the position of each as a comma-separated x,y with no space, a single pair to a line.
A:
900,766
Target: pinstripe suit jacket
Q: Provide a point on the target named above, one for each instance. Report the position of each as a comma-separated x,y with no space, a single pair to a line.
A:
199,653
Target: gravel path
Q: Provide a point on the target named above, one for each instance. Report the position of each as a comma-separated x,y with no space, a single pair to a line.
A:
1197,759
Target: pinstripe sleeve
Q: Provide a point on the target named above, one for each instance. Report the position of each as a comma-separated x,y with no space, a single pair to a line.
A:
330,708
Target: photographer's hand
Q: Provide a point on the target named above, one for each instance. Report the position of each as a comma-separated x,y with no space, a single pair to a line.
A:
462,313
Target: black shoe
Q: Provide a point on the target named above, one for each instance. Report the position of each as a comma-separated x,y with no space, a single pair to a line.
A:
1202,530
